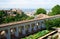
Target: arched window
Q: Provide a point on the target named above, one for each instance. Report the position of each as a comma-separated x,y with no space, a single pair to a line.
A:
38,23
33,24
27,26
13,30
21,28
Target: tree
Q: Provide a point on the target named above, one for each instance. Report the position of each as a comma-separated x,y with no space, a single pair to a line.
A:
40,10
4,18
52,23
29,18
9,19
49,24
2,14
55,10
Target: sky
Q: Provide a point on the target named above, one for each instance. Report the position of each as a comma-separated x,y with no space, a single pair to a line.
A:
28,3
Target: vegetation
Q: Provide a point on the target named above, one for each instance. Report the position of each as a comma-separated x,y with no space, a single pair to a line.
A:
2,14
37,35
52,23
4,18
55,10
40,10
30,18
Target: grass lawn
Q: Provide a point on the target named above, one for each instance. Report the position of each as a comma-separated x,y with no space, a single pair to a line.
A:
37,35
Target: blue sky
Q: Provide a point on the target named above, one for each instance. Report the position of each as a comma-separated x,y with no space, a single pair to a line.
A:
28,3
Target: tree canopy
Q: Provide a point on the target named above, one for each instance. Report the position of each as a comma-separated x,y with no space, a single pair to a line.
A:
52,23
55,10
40,10
2,14
5,18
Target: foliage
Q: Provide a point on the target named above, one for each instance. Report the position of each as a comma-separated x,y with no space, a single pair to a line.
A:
49,24
8,19
4,18
55,10
18,17
2,14
40,10
37,35
52,23
30,18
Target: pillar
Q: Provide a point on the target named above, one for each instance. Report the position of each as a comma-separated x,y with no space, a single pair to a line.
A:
8,35
24,30
35,27
30,29
17,32
43,25
39,25
34,24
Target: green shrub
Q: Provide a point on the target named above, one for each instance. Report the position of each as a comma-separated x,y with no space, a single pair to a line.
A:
52,23
37,35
